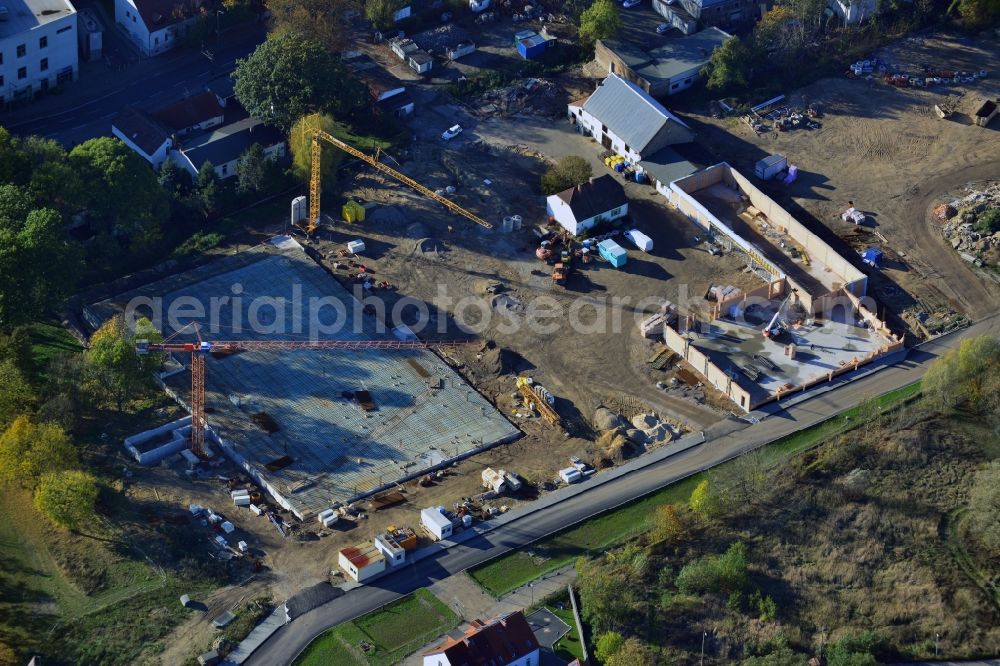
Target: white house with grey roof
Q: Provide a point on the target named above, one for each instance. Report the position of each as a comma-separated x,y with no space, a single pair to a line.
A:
38,47
622,117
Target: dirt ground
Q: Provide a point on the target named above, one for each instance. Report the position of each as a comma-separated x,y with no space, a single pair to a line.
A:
885,149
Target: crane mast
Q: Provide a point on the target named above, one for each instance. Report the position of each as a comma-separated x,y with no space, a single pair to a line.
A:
315,181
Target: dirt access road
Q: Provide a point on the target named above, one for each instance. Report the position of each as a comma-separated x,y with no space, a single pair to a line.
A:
885,149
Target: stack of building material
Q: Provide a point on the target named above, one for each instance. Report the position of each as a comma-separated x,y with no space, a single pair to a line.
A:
328,517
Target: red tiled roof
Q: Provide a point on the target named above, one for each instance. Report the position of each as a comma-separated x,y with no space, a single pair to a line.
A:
190,112
157,14
356,556
502,640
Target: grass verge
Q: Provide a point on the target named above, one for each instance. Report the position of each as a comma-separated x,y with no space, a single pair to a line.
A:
48,340
389,634
511,571
569,646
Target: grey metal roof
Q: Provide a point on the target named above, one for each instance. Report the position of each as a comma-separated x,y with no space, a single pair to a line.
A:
667,165
24,15
227,142
683,54
629,112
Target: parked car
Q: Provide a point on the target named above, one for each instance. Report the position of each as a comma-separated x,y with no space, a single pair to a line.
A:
451,132
629,4
663,28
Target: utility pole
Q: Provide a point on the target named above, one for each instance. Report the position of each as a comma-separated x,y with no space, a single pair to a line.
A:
704,635
936,638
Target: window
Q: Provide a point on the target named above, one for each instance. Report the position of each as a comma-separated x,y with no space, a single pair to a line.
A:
616,212
21,50
22,73
1,79
44,65
626,148
674,86
687,81
157,40
1,57
604,128
43,42
62,30
133,19
225,169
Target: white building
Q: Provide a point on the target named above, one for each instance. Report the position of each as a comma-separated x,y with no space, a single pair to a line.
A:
582,206
223,145
156,26
506,640
38,48
361,562
143,135
854,11
436,523
623,117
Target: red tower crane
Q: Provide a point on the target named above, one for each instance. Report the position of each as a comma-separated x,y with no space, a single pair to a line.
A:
200,349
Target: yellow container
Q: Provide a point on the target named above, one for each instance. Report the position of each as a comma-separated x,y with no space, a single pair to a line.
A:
353,212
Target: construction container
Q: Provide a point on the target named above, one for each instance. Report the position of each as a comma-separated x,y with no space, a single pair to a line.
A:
641,240
331,520
770,166
361,562
467,521
612,252
513,481
237,493
494,480
570,475
353,212
228,527
356,246
532,46
436,523
323,515
241,500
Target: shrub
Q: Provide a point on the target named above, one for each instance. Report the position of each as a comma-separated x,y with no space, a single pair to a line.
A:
715,573
988,222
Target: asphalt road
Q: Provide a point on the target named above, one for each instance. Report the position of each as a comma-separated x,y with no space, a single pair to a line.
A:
150,84
285,644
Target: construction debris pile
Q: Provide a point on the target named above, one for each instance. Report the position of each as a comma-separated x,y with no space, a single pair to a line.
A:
533,96
620,437
965,227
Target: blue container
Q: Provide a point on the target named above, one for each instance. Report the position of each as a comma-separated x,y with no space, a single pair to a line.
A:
613,252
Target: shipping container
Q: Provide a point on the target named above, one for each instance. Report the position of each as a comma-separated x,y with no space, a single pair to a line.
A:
770,166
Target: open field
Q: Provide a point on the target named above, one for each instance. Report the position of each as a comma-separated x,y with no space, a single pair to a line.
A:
392,631
511,571
863,533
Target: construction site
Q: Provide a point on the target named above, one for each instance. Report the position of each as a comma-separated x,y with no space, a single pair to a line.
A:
805,324
317,428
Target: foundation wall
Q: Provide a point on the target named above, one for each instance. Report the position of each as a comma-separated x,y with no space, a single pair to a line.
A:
704,367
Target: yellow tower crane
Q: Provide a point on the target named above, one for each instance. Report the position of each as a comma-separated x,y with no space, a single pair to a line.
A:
314,181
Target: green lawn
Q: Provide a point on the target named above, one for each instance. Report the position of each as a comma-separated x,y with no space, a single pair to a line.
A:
394,631
511,571
49,340
568,647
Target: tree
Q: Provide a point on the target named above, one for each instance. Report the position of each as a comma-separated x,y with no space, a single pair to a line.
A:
633,652
976,14
66,498
854,650
122,194
667,525
38,266
382,12
14,165
16,395
320,21
608,644
288,77
984,507
740,484
115,365
701,501
968,375
728,67
724,573
607,592
8,657
53,179
175,180
28,451
988,222
567,172
600,21
300,143
16,348
251,170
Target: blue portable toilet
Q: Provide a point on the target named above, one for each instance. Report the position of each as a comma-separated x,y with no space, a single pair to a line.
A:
873,257
613,252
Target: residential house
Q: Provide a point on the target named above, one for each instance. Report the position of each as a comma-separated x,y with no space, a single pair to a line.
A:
622,117
223,88
224,144
582,206
361,562
664,70
156,26
506,640
143,135
193,114
724,13
388,93
38,49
